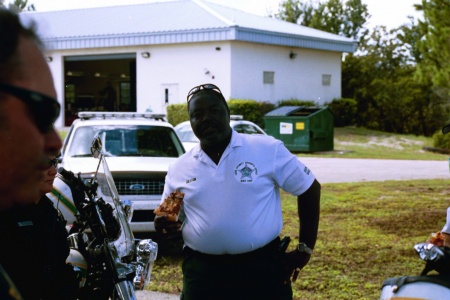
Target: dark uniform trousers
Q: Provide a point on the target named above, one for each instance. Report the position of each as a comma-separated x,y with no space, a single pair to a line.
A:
253,275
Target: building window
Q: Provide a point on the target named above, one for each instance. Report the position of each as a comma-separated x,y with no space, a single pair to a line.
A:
268,77
326,79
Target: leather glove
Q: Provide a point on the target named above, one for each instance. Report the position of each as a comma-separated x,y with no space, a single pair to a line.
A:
167,229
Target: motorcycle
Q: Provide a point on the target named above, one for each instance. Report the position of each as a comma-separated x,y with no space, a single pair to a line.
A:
103,251
434,286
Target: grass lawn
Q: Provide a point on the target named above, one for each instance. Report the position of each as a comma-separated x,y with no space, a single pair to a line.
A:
352,142
367,230
366,235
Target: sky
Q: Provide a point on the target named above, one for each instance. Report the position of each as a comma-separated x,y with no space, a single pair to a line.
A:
390,13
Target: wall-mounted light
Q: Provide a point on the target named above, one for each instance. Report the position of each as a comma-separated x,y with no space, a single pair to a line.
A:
145,54
48,58
292,55
75,73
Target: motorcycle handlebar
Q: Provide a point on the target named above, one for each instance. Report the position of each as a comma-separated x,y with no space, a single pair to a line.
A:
66,174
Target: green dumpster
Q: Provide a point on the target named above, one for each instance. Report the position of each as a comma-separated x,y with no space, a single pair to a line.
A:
302,128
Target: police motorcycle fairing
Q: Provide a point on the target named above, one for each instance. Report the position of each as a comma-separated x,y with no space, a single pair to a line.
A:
434,286
110,263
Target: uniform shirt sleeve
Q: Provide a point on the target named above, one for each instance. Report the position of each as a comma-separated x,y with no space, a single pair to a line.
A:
291,174
446,228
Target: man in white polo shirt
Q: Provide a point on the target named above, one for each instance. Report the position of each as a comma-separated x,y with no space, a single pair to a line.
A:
231,215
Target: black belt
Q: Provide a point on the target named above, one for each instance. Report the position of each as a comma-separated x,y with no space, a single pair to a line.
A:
270,248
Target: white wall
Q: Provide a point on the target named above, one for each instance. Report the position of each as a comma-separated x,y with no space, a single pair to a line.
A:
299,78
182,67
236,67
57,68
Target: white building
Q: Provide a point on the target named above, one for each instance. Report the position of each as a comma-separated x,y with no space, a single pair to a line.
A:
153,54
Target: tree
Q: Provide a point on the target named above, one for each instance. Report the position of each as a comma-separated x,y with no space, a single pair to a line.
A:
381,75
381,78
434,66
295,11
334,16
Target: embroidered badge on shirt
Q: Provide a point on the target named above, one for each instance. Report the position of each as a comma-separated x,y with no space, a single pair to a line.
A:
245,172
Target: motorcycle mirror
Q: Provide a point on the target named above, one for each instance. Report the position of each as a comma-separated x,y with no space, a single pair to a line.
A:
96,147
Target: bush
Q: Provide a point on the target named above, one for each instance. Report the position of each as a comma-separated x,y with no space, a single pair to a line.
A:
177,113
251,110
295,102
441,140
344,111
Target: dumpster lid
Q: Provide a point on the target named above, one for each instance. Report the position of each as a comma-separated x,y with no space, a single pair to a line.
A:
284,110
293,111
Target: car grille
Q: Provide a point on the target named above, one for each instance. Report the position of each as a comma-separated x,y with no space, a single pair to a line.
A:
136,183
139,187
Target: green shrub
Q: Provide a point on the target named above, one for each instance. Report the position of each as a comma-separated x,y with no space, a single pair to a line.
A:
295,102
441,140
177,113
251,110
344,111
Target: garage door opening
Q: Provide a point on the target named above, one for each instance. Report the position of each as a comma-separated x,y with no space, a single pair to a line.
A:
99,83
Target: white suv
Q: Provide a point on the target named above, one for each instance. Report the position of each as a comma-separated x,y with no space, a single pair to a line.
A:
139,149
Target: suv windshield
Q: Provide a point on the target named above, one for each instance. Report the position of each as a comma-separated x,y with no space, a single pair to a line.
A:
187,135
127,141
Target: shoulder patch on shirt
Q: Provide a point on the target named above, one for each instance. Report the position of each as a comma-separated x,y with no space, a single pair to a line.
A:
306,170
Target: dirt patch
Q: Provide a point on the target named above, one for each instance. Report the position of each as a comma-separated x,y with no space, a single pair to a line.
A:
389,142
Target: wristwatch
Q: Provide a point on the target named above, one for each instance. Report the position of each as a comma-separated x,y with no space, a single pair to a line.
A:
302,247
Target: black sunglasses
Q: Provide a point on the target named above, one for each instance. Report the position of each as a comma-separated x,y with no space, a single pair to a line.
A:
45,109
53,162
207,86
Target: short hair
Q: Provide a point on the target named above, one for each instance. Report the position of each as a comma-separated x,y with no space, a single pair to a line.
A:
11,29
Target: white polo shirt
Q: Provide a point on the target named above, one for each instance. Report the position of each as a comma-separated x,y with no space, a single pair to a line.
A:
234,207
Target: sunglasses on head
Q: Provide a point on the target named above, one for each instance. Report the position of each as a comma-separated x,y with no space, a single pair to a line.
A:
207,86
53,162
45,109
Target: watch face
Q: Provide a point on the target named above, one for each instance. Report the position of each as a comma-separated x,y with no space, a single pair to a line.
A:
303,248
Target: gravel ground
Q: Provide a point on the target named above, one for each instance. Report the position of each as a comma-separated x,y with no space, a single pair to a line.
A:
149,295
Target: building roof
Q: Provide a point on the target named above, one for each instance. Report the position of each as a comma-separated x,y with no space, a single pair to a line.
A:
170,22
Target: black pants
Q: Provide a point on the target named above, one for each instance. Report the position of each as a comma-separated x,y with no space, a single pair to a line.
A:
253,275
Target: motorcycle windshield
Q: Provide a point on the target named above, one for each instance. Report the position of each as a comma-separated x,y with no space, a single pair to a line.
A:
124,243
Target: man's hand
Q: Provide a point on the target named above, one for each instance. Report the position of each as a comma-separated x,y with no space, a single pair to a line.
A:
167,229
293,262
